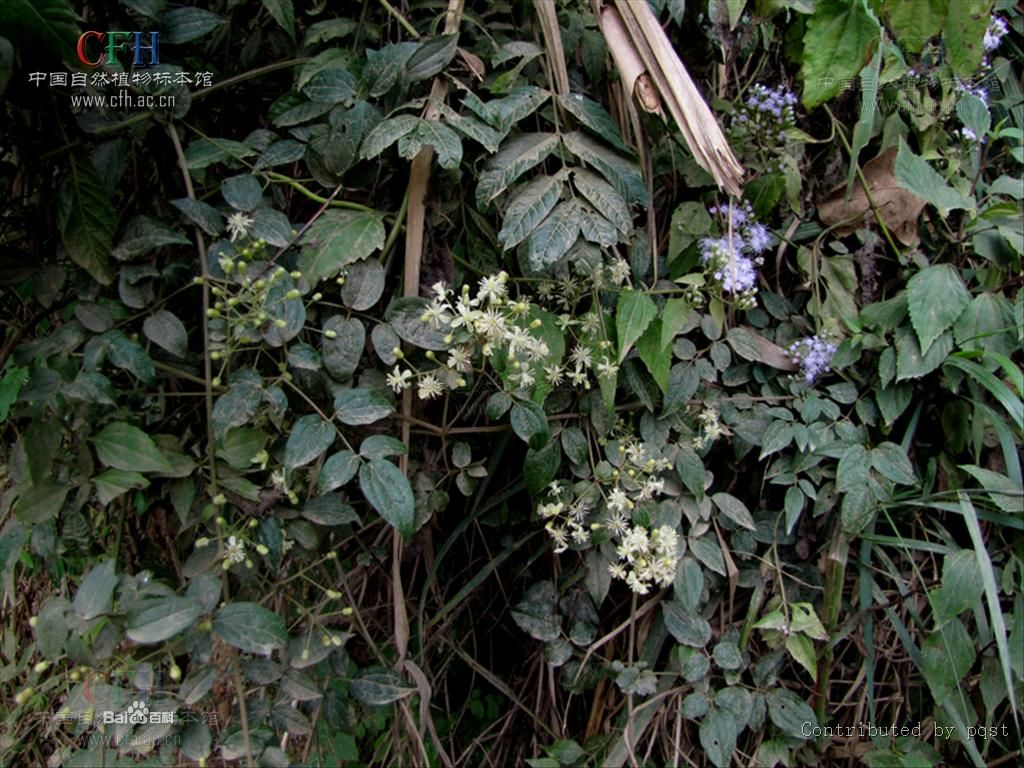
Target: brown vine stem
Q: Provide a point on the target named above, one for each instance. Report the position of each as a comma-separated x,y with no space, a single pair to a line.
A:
172,131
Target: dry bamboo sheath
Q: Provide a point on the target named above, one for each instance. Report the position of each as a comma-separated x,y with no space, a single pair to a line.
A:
650,68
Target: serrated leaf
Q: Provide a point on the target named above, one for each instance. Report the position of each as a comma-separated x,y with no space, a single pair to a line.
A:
914,174
529,207
623,174
505,112
473,129
634,311
357,407
801,648
41,501
310,437
593,226
124,446
443,139
383,68
95,595
961,588
936,297
515,158
168,332
593,116
552,239
338,239
250,627
144,234
892,462
910,363
836,44
334,85
281,153
388,492
604,198
947,655
154,621
386,133
87,219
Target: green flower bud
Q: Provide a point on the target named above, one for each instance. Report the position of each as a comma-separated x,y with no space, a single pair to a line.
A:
174,672
292,294
41,667
219,501
281,323
331,334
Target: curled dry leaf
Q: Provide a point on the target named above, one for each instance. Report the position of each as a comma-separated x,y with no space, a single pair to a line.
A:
898,207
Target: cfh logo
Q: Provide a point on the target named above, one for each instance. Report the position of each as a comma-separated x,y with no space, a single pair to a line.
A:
144,45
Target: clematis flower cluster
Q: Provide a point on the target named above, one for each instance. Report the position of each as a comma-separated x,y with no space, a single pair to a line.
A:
490,322
733,258
813,355
647,557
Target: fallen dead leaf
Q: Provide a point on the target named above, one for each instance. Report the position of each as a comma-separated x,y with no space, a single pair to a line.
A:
899,208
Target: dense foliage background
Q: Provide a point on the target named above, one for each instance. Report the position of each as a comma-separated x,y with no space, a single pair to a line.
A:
395,388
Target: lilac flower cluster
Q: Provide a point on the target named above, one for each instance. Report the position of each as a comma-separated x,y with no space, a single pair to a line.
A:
995,32
767,111
733,258
813,355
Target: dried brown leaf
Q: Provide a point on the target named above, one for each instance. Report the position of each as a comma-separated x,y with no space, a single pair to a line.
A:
898,208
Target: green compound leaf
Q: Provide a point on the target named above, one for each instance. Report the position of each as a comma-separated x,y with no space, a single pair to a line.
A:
937,297
837,45
87,219
250,627
593,116
553,238
513,160
444,140
123,446
621,172
529,208
388,492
